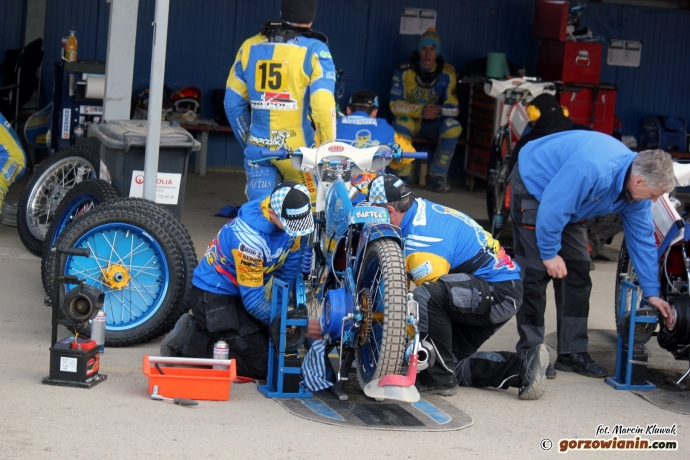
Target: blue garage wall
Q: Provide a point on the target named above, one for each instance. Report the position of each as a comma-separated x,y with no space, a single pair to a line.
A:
204,36
11,27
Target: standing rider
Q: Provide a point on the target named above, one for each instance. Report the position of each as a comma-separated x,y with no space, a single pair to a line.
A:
424,103
287,76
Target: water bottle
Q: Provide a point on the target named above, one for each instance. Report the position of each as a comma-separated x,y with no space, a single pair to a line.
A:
98,330
498,221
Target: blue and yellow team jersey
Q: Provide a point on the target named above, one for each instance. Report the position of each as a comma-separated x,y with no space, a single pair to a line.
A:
363,131
245,254
12,158
287,85
440,240
408,97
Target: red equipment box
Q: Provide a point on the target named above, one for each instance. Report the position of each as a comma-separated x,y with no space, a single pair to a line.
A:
577,62
590,105
550,20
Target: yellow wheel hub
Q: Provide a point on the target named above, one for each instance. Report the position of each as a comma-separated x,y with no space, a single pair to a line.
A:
116,276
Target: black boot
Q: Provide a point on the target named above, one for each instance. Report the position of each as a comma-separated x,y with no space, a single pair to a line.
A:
581,363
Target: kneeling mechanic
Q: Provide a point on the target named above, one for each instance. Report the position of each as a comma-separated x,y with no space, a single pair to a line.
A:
229,301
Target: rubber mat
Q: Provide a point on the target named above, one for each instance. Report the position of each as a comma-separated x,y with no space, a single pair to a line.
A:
661,364
431,413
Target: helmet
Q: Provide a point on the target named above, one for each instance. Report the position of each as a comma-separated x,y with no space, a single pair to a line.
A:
141,103
187,102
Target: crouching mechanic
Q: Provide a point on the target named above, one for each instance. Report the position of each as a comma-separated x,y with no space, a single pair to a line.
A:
467,288
228,300
12,159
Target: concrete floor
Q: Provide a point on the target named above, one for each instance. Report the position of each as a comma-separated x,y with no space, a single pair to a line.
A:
116,419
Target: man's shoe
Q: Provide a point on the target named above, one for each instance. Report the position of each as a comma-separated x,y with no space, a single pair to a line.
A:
437,184
172,343
581,363
532,373
550,372
444,389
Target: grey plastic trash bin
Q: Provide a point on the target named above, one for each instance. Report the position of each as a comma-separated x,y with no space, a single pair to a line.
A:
123,145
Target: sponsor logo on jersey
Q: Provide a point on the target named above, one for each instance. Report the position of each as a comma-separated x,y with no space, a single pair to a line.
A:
421,271
251,251
275,101
359,121
325,54
277,138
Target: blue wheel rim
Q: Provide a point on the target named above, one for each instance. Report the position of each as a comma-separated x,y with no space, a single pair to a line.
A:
70,212
128,246
369,352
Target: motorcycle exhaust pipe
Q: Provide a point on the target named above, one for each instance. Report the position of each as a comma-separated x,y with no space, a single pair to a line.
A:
426,355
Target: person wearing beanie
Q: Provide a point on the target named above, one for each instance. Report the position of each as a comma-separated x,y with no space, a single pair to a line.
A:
424,104
467,289
268,77
228,297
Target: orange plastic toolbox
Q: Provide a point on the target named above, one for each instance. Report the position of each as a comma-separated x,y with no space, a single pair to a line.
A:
190,382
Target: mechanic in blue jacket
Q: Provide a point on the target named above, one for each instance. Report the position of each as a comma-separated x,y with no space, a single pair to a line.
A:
229,301
560,181
467,288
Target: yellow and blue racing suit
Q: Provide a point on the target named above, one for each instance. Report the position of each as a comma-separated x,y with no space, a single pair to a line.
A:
409,95
12,158
288,85
468,287
362,131
243,257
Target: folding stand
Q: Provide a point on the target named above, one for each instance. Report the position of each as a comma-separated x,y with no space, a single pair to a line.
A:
275,383
618,382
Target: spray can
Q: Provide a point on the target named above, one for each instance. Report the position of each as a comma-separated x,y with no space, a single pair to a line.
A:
98,330
221,350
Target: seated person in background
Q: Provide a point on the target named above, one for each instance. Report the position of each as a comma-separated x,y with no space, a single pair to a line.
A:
424,104
229,298
467,288
12,159
362,129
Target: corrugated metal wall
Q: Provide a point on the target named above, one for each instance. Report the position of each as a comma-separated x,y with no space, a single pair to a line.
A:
11,26
204,36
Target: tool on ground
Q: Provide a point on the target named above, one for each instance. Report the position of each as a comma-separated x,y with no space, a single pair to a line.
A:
180,401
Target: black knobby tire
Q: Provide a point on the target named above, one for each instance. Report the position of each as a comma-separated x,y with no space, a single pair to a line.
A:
624,271
143,228
82,198
50,182
382,272
497,180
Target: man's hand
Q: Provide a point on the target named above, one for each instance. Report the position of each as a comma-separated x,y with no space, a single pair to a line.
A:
314,330
431,111
665,310
555,267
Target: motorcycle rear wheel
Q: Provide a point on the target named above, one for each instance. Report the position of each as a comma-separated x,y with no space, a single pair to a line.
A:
382,276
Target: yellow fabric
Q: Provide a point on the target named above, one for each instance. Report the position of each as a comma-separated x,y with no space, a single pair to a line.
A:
439,265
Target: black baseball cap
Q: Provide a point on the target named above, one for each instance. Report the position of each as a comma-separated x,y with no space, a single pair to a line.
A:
387,189
364,97
292,203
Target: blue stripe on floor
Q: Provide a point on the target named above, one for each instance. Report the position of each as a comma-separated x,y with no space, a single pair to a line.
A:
321,409
434,413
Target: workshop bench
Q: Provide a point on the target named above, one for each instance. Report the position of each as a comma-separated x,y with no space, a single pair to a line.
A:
201,133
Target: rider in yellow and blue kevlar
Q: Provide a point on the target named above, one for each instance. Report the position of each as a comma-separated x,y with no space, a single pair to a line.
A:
287,76
12,159
362,129
230,297
424,104
467,288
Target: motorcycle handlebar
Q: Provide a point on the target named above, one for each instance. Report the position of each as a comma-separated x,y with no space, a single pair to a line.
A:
415,155
280,154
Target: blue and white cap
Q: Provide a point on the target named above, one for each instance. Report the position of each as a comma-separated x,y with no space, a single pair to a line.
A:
291,202
387,189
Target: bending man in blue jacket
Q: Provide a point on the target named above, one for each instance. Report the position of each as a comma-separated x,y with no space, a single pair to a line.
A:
560,181
228,301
